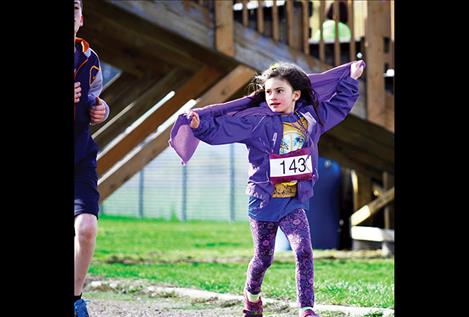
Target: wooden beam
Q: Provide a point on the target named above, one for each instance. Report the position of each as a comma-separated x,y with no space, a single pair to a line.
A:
344,155
372,234
251,49
184,31
370,209
336,16
290,22
375,99
220,92
137,107
117,105
260,16
349,131
245,13
121,41
351,24
305,26
194,86
275,24
224,32
120,94
388,183
322,48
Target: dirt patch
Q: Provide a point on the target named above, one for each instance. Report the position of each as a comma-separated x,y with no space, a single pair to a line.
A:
140,298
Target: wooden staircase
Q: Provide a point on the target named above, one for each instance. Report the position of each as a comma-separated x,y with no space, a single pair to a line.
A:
198,50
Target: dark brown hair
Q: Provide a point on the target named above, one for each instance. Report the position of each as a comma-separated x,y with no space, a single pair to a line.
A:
294,75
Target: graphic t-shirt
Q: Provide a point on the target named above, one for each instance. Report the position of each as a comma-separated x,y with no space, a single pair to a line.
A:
284,199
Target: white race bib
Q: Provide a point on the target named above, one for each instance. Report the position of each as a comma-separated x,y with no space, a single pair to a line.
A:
295,165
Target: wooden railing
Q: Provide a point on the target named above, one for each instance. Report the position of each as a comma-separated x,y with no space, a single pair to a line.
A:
371,37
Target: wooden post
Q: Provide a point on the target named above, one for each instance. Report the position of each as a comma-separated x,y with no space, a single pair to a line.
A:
351,24
245,13
322,48
275,26
374,43
362,189
336,15
388,182
305,26
224,27
290,30
260,16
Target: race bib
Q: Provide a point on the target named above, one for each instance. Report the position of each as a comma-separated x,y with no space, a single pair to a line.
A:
292,166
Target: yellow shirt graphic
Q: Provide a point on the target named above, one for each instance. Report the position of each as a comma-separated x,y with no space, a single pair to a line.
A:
293,139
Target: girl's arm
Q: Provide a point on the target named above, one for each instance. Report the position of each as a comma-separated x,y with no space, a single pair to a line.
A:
337,91
221,129
333,111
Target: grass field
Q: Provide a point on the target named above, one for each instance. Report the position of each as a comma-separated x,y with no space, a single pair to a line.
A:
214,256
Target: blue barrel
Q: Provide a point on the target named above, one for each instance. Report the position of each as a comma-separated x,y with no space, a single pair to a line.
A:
324,206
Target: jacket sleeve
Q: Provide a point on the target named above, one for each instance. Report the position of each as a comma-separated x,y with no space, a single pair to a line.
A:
96,88
225,129
334,110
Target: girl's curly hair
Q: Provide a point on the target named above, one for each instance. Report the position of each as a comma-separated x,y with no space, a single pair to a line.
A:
293,74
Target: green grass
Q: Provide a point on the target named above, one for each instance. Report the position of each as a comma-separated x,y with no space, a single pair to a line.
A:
214,256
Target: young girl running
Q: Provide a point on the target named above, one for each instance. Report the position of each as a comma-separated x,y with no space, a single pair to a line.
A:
280,124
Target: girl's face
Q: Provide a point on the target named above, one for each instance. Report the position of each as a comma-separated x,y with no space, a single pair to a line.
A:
280,95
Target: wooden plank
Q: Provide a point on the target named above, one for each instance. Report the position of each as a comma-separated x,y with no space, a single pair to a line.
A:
389,111
370,130
194,86
245,13
138,106
220,92
322,47
129,94
362,190
336,16
290,22
115,92
224,32
260,16
305,26
361,139
329,148
388,183
123,34
375,99
275,24
372,234
347,151
260,52
168,31
197,22
251,48
370,209
351,24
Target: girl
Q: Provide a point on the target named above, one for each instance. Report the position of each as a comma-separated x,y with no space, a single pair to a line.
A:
280,124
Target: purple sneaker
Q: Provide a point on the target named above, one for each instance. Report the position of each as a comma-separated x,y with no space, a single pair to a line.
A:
252,309
309,313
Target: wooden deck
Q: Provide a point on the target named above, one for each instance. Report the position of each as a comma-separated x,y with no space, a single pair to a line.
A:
164,46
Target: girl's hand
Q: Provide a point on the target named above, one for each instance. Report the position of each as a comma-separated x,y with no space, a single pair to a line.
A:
356,70
195,120
77,92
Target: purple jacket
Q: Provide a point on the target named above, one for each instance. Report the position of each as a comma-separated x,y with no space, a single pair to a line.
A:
261,129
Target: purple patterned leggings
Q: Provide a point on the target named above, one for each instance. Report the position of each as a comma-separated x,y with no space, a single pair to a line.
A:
296,227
